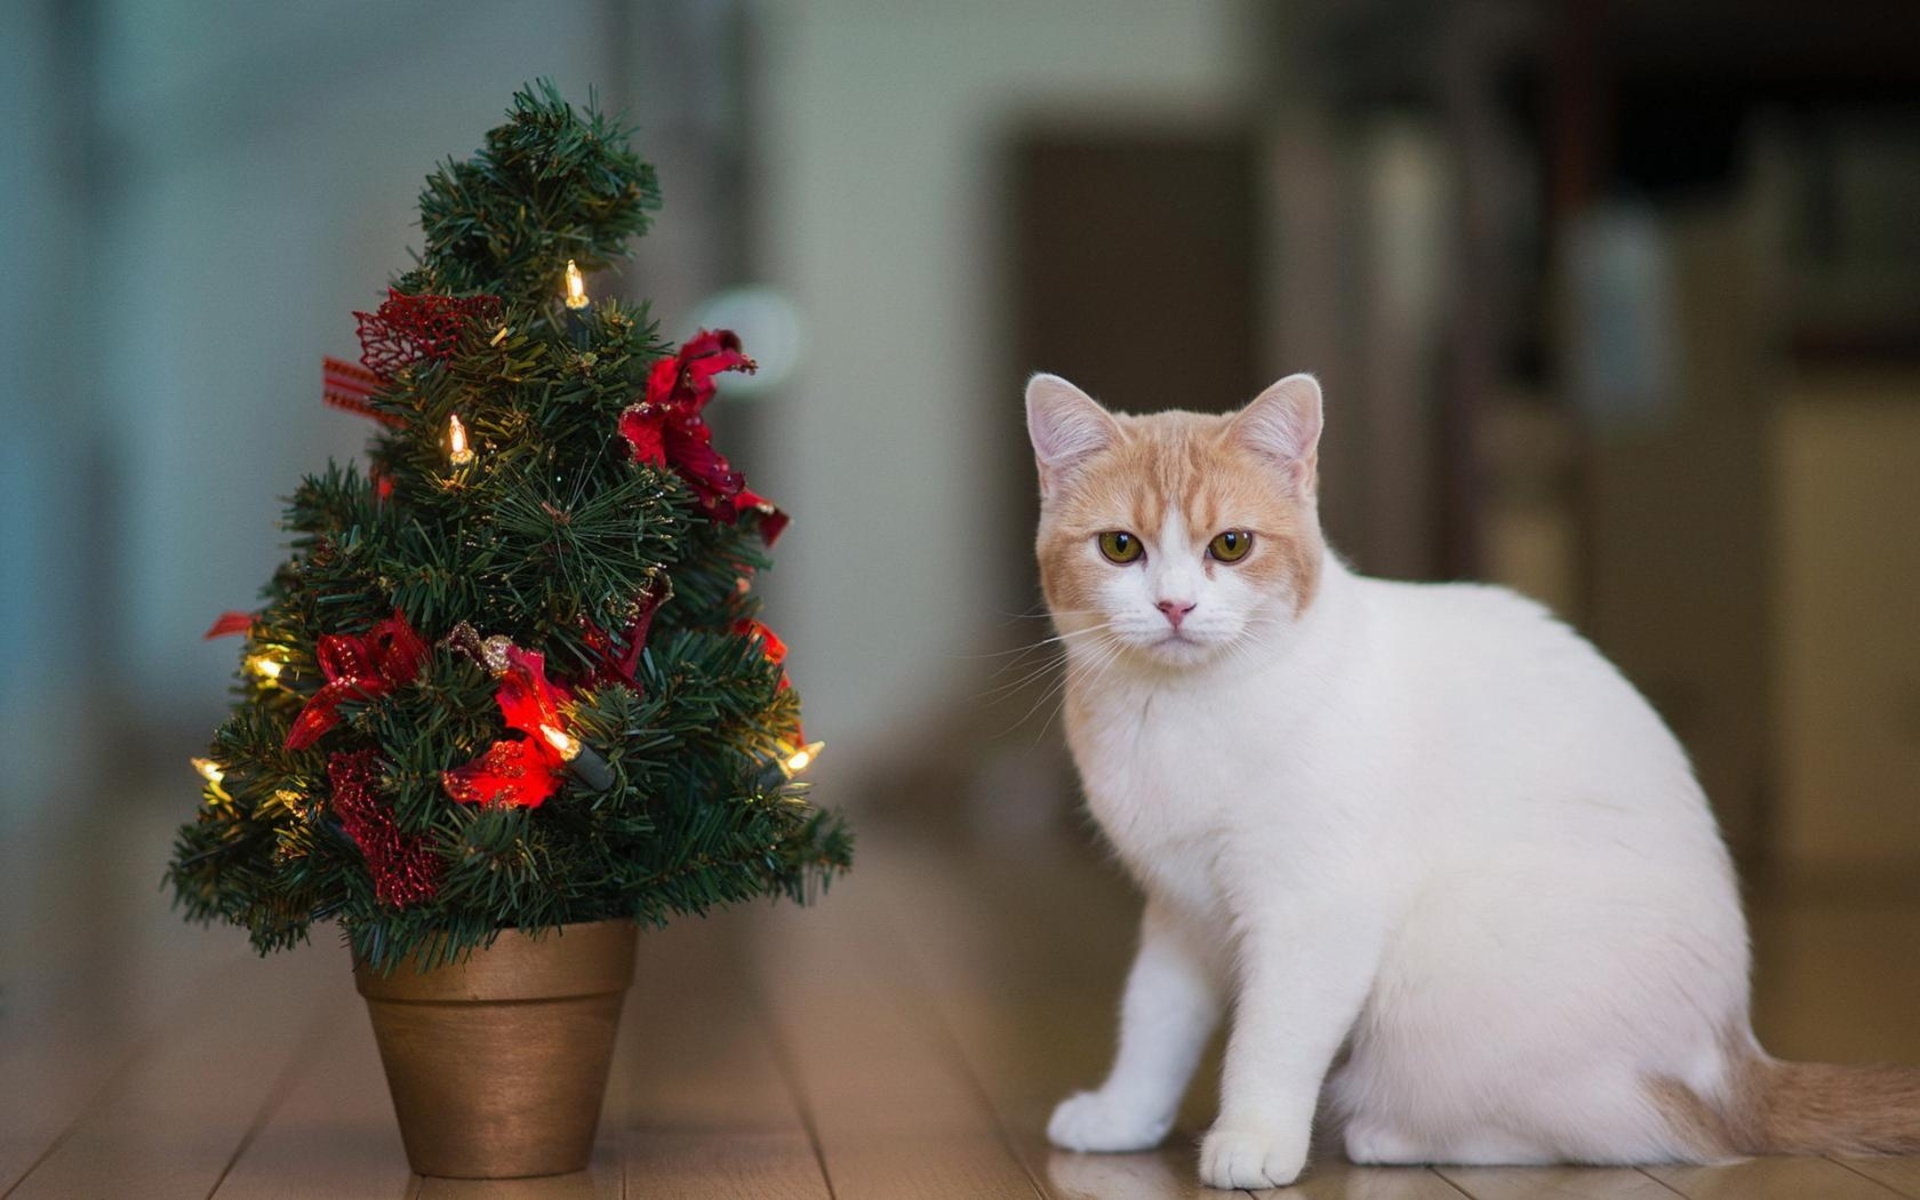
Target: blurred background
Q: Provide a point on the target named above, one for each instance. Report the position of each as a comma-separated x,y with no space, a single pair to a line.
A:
1615,301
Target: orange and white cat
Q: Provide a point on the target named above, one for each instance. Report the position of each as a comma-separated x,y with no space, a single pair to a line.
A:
1428,824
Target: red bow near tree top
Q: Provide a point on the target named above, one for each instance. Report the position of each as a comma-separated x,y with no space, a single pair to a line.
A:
522,771
358,667
667,429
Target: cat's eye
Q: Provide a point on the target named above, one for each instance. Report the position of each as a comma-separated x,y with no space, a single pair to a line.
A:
1120,546
1231,546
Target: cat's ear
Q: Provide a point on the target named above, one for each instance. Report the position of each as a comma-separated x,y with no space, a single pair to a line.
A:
1067,427
1283,425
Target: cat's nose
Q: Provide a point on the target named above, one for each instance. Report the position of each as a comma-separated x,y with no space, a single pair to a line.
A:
1175,610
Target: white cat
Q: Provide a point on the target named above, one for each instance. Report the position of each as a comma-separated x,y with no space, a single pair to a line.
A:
1428,824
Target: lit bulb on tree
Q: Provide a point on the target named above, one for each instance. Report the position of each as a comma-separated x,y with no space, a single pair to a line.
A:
458,452
576,300
587,766
266,667
214,774
802,758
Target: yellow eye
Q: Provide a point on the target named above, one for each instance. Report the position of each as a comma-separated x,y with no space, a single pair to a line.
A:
1120,547
1231,546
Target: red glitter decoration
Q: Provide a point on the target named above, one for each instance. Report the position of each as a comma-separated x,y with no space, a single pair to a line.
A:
523,771
358,667
666,429
407,329
405,869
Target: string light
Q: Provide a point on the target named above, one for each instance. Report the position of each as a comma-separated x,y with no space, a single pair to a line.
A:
563,743
458,452
803,758
588,767
209,769
576,287
499,337
266,666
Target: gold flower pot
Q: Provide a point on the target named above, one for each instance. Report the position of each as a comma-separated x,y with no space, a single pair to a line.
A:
498,1064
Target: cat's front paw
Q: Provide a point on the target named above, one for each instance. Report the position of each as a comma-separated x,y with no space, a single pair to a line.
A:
1232,1158
1099,1122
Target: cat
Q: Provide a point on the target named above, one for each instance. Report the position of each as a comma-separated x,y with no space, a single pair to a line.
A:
1451,873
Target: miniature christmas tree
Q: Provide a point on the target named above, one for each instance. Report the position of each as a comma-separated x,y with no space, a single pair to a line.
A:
512,675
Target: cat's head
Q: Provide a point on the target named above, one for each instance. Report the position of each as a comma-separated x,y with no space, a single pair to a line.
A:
1173,537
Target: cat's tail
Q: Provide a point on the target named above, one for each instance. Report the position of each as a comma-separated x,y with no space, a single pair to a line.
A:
1779,1107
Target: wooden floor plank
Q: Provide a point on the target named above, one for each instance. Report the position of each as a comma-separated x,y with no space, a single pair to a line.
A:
1772,1179
172,1124
1556,1183
913,1032
1900,1174
600,1181
708,1110
1336,1179
895,1115
101,970
1011,1042
59,1058
334,1134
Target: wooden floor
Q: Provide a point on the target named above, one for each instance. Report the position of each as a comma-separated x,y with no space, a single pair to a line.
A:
905,1039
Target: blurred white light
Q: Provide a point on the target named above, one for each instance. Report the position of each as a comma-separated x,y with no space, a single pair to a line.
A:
770,333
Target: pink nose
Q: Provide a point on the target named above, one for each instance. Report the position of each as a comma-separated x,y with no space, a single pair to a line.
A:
1176,610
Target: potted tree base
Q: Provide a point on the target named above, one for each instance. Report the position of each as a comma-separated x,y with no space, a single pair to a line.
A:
498,1064
509,698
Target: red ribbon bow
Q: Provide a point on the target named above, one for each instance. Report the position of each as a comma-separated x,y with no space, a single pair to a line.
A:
521,771
667,429
358,667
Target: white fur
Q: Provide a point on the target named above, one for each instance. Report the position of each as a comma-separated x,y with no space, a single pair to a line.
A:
1428,823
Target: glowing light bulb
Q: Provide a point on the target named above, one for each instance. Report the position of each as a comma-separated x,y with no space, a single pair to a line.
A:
458,452
265,666
576,287
803,758
564,744
209,769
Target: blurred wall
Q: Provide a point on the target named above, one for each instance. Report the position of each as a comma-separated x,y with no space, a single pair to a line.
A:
199,195
880,213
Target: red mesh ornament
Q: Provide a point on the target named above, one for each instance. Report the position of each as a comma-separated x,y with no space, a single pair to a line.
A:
405,869
407,329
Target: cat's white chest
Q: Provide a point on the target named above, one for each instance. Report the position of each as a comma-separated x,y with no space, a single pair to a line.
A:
1163,779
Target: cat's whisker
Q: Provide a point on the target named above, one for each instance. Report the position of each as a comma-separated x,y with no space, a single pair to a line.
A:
1053,649
1037,644
1054,697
